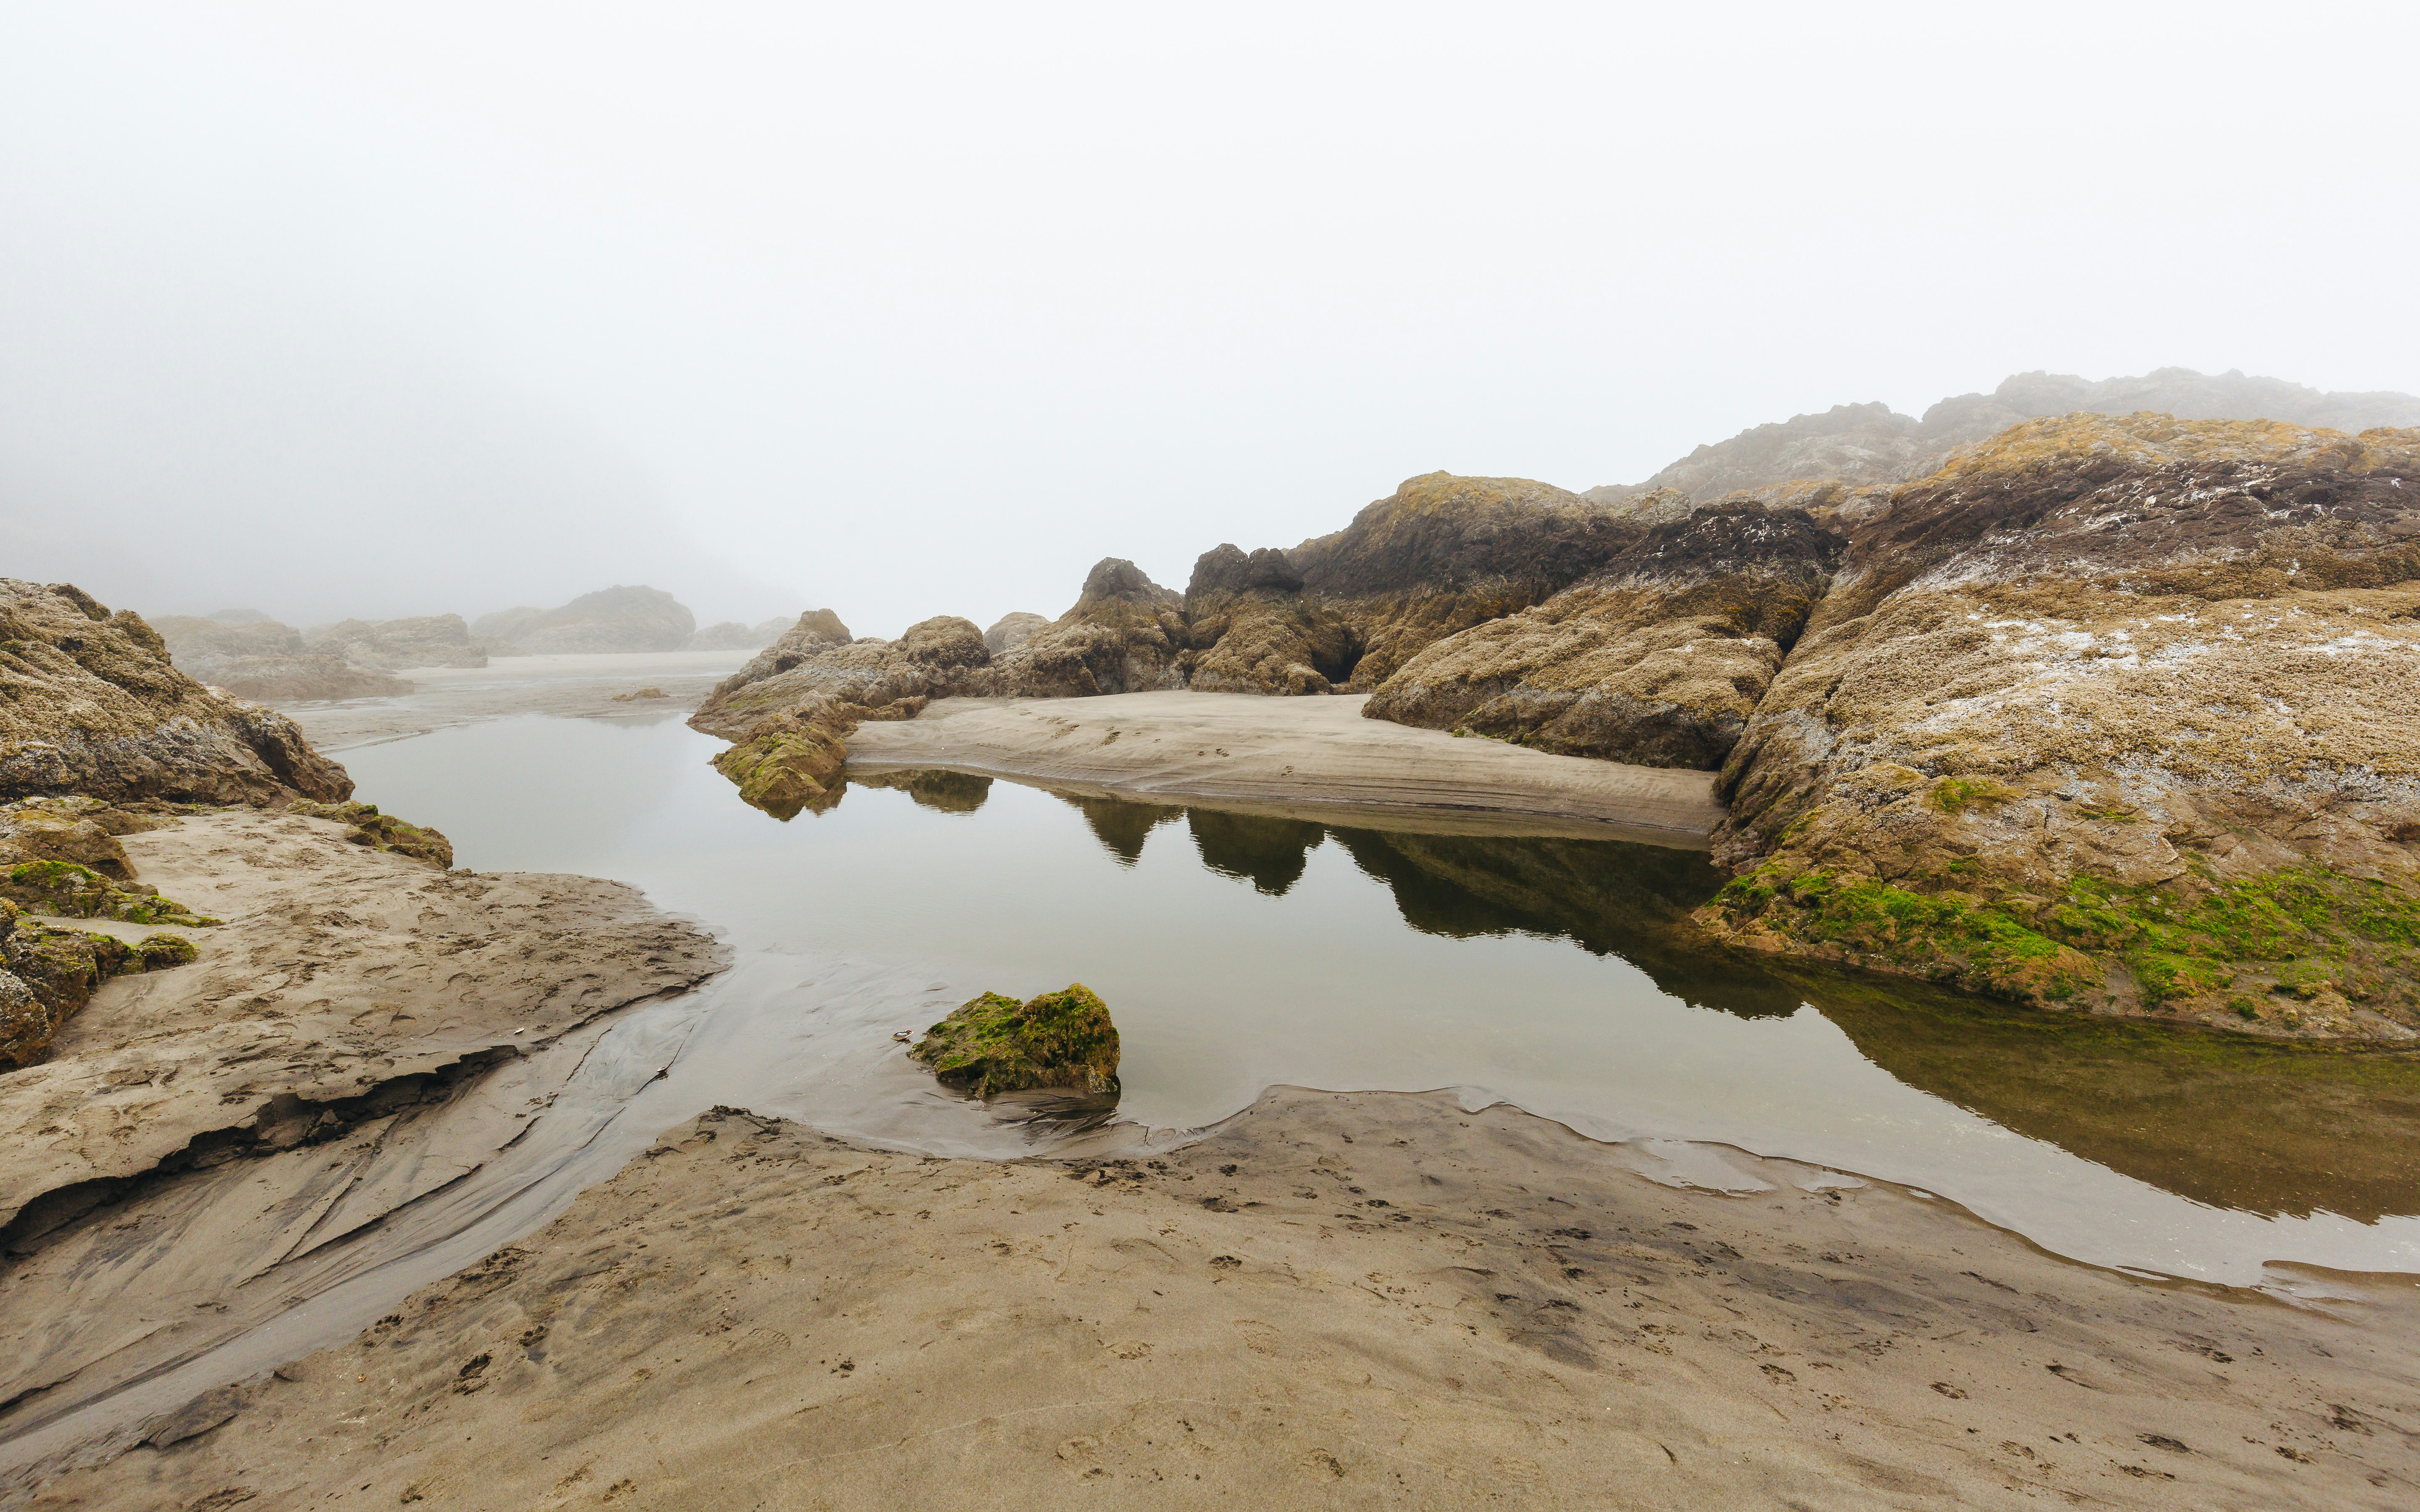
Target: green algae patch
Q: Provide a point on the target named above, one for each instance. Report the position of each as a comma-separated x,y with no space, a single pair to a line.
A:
383,832
995,1043
1949,937
2295,949
74,891
1956,794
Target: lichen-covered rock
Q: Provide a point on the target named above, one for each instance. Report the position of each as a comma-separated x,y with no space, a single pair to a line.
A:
617,618
2110,712
1256,630
90,704
1012,630
1444,553
996,1045
1657,660
1126,633
74,828
383,832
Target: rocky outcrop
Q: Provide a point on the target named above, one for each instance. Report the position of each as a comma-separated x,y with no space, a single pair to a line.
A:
1657,660
429,641
90,704
730,635
1126,633
1869,446
1444,553
377,831
265,662
2114,712
615,619
1259,631
997,1044
1013,631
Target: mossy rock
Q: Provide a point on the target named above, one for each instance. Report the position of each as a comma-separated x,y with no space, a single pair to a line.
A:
158,952
384,832
998,1044
788,771
73,891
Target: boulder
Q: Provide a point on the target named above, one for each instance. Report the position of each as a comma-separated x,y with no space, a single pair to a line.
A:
1258,632
90,704
995,1043
2110,712
619,619
1656,660
1012,630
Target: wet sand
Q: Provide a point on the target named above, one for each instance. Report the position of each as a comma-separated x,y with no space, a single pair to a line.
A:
1332,1300
1314,756
361,1033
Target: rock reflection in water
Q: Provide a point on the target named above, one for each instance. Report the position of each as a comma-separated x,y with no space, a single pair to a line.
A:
936,788
1608,897
2234,1122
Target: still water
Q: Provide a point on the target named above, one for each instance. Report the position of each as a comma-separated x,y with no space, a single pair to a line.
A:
1240,951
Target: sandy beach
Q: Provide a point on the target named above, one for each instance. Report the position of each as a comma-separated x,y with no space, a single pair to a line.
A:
1332,1300
1316,756
597,687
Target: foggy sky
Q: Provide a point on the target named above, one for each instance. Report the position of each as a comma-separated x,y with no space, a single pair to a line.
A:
351,310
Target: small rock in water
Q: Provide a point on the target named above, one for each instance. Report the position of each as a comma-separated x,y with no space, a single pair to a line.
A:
901,1036
998,1044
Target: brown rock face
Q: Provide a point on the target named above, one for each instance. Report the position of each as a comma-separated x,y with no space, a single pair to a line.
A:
1444,553
2110,711
90,703
1259,632
1657,660
1126,633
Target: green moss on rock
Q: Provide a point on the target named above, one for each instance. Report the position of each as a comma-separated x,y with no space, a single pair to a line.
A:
383,832
995,1043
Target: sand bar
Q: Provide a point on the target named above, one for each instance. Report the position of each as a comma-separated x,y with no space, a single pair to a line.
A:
1301,754
1333,1300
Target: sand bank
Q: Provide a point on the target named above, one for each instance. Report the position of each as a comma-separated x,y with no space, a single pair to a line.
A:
1304,754
1332,1300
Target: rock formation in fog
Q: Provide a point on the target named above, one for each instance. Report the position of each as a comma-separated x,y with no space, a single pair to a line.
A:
427,641
615,619
260,660
730,635
1864,445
